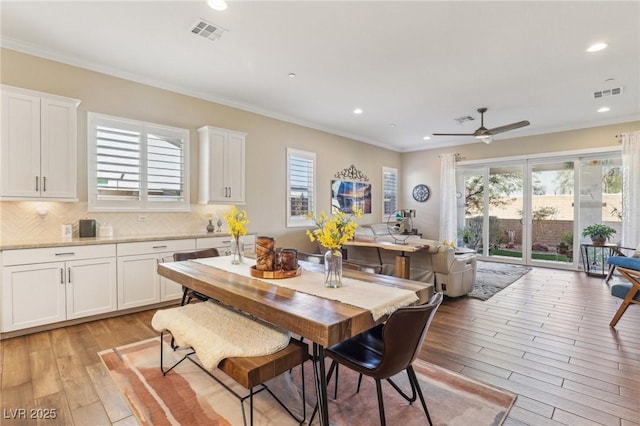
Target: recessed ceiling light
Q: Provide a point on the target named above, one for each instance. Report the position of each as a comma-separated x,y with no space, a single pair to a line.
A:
392,125
358,111
217,4
596,47
604,109
426,138
292,75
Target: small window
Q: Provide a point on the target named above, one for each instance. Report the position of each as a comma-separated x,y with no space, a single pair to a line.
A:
390,191
136,166
301,187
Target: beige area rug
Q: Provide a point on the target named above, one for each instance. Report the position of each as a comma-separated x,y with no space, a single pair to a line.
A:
187,396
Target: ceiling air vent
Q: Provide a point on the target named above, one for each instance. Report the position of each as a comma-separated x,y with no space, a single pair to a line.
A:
607,92
208,30
464,118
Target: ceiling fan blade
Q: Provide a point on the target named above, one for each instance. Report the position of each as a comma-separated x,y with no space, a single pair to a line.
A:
508,127
452,134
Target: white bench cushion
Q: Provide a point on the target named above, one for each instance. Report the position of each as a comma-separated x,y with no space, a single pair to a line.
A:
216,332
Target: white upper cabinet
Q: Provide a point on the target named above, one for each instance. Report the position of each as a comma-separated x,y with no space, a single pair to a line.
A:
222,167
38,146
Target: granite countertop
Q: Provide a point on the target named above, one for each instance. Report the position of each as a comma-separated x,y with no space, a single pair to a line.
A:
27,244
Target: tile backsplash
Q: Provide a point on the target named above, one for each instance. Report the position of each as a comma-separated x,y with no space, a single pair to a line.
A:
25,220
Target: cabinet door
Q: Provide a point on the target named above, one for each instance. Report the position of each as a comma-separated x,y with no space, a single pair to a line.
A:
58,149
218,190
91,287
20,145
32,295
234,168
138,282
222,166
169,290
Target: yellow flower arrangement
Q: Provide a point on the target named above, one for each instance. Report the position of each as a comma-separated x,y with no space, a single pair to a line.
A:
333,232
236,221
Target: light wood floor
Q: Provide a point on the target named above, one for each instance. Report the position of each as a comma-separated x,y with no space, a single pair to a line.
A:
546,338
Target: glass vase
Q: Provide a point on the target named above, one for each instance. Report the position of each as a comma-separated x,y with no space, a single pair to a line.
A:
236,251
333,268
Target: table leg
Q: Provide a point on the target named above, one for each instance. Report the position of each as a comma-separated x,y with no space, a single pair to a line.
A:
403,266
320,377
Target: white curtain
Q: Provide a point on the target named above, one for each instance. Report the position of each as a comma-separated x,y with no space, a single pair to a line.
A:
448,208
631,189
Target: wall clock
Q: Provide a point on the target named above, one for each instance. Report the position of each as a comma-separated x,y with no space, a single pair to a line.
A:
421,193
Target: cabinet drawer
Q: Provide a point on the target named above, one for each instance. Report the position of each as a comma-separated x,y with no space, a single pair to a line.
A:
159,246
57,254
213,242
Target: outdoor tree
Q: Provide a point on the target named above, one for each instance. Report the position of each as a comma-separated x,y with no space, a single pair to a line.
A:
501,187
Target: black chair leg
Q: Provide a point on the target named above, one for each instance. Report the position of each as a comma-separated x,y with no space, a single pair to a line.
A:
359,383
416,385
335,389
380,402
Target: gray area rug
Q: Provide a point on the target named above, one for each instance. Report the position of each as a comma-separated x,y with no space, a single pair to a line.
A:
491,277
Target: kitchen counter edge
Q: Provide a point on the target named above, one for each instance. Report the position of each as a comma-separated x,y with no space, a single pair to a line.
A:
16,245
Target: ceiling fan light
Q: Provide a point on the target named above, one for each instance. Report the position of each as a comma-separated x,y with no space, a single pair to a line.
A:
485,139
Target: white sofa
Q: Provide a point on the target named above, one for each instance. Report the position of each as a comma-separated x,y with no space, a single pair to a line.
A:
438,264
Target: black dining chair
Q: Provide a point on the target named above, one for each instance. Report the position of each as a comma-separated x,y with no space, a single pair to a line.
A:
388,349
188,294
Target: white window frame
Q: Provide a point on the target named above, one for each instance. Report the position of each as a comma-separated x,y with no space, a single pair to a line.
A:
385,171
301,221
143,204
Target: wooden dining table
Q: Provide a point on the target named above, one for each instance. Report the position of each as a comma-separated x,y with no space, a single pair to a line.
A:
322,321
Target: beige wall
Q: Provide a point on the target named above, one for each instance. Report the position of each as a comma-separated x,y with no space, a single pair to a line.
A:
266,149
424,166
267,141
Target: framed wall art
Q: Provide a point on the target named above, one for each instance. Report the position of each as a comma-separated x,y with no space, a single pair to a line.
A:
345,195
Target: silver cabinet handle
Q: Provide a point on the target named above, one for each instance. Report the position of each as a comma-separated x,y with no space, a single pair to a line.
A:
37,182
61,275
229,192
159,247
44,184
68,253
69,275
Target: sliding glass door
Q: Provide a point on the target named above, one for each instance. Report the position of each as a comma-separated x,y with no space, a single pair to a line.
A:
533,211
552,213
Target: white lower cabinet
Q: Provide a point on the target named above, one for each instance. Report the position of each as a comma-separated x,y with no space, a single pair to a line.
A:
138,281
43,286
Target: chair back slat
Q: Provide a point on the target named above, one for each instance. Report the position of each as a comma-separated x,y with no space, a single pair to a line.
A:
199,254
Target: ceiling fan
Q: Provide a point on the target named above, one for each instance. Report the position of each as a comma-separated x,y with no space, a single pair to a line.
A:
485,134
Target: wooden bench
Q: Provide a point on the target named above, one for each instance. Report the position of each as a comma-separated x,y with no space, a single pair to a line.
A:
251,372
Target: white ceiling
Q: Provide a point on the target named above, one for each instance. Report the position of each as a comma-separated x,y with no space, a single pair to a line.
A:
413,67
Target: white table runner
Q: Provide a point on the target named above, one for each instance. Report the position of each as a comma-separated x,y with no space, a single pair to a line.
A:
380,300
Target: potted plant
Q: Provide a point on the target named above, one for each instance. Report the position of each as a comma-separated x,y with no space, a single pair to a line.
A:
566,242
599,233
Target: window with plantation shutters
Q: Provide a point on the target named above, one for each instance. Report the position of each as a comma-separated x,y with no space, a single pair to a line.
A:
300,187
136,166
390,190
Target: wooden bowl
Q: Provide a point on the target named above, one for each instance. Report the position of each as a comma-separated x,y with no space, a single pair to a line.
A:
274,274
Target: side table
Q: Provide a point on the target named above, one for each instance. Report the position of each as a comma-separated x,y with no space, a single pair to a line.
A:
594,258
